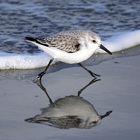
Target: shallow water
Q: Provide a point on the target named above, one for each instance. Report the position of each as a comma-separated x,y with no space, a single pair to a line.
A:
118,89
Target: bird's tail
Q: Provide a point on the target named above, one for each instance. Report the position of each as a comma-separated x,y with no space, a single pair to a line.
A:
37,119
30,39
36,41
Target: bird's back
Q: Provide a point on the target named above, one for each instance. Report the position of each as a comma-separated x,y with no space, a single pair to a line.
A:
67,41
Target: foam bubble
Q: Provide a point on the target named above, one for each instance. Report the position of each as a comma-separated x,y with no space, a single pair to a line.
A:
122,41
23,61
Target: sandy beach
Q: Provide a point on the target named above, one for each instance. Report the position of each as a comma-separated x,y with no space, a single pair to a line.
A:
118,90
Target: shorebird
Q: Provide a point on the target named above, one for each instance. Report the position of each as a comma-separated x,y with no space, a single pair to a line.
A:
69,112
72,47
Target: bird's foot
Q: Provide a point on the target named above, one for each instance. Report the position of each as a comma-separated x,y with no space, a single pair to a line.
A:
41,74
39,77
94,75
37,80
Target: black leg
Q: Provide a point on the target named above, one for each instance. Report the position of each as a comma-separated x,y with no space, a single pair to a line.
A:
91,82
40,75
90,72
39,83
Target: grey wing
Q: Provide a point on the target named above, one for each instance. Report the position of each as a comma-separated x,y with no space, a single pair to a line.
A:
65,121
66,43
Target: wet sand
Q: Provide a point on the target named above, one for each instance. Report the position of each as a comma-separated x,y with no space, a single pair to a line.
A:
118,90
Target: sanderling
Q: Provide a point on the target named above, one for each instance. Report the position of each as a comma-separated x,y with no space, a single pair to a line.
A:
72,47
69,112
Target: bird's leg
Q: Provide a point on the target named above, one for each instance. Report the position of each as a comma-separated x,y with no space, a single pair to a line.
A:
40,75
39,83
90,72
91,82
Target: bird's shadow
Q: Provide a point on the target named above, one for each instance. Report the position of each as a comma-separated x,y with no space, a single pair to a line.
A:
69,112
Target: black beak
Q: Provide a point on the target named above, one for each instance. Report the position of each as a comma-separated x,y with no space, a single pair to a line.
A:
106,114
105,49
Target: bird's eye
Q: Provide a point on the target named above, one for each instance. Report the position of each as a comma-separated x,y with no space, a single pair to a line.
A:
93,41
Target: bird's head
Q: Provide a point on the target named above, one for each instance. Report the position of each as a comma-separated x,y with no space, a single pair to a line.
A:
94,119
92,39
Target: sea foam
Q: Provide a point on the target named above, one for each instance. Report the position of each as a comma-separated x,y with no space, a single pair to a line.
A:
122,41
31,61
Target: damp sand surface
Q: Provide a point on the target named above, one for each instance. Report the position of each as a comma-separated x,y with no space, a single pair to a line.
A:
118,90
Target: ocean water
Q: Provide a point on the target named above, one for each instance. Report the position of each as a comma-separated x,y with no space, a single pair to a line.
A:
45,17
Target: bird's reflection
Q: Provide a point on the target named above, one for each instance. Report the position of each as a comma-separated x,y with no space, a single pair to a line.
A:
69,112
